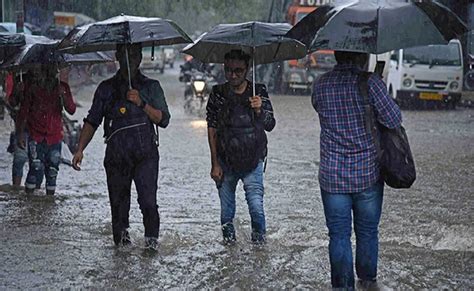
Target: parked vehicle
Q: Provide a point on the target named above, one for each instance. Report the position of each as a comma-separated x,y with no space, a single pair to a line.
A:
300,74
10,27
427,74
155,64
170,55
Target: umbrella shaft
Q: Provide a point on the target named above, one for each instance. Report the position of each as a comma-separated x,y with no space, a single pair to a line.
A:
128,69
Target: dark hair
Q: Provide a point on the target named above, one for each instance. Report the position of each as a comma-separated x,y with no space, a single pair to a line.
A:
239,55
347,57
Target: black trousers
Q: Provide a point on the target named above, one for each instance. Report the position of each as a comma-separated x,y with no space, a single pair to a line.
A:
122,167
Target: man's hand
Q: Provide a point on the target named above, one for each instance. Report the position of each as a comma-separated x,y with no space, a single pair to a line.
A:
216,173
77,160
256,103
21,140
134,97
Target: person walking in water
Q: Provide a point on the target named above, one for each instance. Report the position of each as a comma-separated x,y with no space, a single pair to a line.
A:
132,142
237,122
349,174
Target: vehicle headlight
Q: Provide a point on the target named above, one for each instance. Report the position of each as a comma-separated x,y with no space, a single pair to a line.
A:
295,78
199,86
407,82
310,79
454,85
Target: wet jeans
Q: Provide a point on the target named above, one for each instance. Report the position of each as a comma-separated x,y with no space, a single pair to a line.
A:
366,207
121,169
20,157
253,187
43,157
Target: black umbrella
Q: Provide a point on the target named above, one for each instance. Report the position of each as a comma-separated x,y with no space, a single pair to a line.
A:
377,26
40,50
9,42
36,48
265,42
12,39
106,35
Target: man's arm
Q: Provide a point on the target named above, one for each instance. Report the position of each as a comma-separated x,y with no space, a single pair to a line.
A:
91,122
264,109
154,114
211,118
216,170
387,111
153,103
87,133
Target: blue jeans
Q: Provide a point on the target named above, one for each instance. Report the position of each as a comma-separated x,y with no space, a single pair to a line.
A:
253,187
366,207
43,157
20,157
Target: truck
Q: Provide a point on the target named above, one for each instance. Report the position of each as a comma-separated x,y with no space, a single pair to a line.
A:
425,75
300,74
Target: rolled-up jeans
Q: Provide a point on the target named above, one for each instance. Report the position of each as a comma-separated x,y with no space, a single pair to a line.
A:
43,157
366,207
253,187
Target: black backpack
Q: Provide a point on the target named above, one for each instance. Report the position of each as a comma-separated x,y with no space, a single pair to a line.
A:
394,154
241,139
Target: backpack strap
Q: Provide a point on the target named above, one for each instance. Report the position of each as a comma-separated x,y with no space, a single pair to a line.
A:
369,118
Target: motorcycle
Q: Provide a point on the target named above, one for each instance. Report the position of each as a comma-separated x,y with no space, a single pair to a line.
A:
198,86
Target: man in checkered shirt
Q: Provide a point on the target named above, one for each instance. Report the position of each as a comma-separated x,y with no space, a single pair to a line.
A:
349,174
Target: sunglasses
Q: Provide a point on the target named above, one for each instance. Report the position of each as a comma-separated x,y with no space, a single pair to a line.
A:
237,71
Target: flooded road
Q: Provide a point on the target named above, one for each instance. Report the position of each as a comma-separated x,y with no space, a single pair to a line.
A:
426,238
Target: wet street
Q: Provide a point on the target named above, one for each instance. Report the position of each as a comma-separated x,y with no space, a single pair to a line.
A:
426,238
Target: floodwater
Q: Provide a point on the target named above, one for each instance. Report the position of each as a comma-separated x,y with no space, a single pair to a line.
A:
426,233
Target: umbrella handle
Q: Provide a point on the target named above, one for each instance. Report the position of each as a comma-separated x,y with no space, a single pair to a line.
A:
21,75
253,71
128,69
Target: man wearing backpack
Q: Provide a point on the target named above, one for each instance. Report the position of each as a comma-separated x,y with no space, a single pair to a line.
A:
237,122
349,172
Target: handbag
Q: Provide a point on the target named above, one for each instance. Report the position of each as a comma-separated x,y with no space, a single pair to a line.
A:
397,166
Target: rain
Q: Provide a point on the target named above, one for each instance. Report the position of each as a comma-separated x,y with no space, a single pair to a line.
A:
65,240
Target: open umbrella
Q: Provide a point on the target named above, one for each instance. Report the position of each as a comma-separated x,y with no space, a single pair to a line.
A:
106,35
12,39
264,42
40,50
37,49
377,26
9,42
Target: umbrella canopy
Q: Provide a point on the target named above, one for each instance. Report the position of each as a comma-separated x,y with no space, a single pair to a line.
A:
40,50
37,50
265,42
124,29
377,26
9,43
12,39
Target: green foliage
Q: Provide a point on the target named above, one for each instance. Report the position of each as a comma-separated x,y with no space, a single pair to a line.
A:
194,16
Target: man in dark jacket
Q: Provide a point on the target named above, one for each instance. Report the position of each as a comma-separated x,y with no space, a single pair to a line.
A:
132,142
237,122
